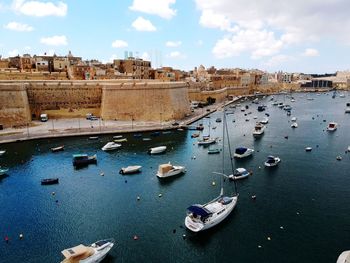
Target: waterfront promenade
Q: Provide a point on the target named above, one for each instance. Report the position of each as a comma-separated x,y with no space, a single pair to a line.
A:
80,126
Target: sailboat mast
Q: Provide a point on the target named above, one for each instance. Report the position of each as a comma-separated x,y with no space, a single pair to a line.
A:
229,149
223,153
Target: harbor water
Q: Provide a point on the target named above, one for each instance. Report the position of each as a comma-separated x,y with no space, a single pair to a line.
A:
300,214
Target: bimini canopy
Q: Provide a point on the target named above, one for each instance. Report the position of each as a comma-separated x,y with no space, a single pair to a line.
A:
199,210
241,150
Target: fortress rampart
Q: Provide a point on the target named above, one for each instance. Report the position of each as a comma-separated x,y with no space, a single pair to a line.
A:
22,101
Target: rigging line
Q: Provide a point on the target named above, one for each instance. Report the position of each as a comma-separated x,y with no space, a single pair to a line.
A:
229,149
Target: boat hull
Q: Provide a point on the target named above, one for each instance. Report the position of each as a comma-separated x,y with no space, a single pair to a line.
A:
177,171
200,226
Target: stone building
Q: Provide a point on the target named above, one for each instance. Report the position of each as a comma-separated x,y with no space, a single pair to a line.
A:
138,68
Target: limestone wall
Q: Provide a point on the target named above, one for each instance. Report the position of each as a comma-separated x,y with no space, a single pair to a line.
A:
148,101
14,107
64,99
195,94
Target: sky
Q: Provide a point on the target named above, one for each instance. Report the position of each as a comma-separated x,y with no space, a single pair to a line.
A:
310,36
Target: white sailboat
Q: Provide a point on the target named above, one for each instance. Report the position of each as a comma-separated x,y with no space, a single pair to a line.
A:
202,217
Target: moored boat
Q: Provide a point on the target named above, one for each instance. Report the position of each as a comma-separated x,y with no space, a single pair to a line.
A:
93,138
130,169
57,149
259,129
344,257
308,149
2,152
110,146
49,181
84,159
93,253
3,171
332,126
157,150
294,125
214,151
238,174
121,140
242,152
206,141
272,161
168,170
195,135
265,120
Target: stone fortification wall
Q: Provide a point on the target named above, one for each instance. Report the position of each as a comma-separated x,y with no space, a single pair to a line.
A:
148,101
277,87
64,99
14,107
195,94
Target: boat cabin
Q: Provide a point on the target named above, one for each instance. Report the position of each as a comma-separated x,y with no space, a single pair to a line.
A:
240,150
75,254
164,168
197,212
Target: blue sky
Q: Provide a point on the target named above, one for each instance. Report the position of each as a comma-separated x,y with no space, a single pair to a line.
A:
301,36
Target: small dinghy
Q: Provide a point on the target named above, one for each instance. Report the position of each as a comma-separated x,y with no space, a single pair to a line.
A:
110,146
2,152
57,149
157,150
49,181
168,170
272,161
294,125
93,138
130,169
214,151
308,149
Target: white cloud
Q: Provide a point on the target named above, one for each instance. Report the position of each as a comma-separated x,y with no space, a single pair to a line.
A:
141,24
18,27
294,23
259,43
119,44
200,42
176,55
54,41
311,52
173,43
40,9
13,53
155,7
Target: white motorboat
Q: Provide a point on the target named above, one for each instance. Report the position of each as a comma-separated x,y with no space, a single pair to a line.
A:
308,149
130,169
347,110
94,253
310,98
272,161
3,171
255,117
110,146
341,95
275,103
206,141
344,257
242,109
293,119
117,136
242,152
265,120
202,217
332,126
121,140
259,129
281,105
2,152
292,100
168,170
157,150
239,173
294,125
